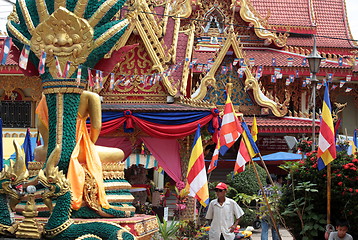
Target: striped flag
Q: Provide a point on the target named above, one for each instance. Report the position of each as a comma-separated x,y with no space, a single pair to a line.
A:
5,50
197,182
326,142
58,67
254,130
97,79
215,158
90,80
230,128
79,75
100,79
249,141
24,57
111,83
242,158
42,63
67,68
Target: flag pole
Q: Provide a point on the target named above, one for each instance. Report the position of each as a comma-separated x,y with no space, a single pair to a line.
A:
266,200
329,182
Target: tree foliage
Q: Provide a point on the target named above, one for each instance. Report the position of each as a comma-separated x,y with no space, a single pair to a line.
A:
304,199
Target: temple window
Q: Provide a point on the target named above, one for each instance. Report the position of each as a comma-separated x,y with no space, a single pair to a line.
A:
215,21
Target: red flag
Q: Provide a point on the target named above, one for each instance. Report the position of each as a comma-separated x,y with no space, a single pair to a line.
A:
242,158
215,157
90,80
230,128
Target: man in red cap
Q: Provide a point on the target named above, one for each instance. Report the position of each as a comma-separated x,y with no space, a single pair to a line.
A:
224,213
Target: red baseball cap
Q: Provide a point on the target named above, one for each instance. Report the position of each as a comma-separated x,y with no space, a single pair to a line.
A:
221,185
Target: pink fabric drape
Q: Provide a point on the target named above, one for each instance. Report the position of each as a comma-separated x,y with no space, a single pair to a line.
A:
166,152
116,142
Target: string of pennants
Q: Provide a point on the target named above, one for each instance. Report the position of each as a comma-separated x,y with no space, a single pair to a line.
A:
152,79
95,81
278,75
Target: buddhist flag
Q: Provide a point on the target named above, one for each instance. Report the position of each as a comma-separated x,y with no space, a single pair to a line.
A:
242,158
215,157
249,141
355,139
5,50
326,143
24,57
197,182
254,130
42,63
230,128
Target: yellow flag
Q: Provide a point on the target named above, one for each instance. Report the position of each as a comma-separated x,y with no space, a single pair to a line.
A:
254,130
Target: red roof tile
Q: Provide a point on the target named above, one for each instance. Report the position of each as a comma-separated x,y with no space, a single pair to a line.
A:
181,49
285,12
330,20
282,125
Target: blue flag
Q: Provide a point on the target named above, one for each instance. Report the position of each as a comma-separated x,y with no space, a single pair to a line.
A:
249,136
1,148
27,148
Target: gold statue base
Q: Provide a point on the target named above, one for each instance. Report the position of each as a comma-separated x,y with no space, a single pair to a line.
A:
142,226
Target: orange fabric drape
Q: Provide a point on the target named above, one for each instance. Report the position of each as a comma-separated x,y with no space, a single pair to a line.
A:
42,111
76,173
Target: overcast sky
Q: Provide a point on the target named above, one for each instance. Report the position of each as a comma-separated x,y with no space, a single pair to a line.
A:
352,9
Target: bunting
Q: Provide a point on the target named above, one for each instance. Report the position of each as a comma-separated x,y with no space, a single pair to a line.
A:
67,68
58,67
42,62
79,74
111,82
24,57
5,50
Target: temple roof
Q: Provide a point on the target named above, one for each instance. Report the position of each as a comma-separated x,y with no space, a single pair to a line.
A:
285,13
329,18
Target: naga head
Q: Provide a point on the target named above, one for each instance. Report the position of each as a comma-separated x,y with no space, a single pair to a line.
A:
79,31
54,180
13,177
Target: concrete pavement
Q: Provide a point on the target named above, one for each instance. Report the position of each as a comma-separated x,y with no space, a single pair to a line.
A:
285,235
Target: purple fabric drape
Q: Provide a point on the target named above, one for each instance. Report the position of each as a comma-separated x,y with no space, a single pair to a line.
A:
166,152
